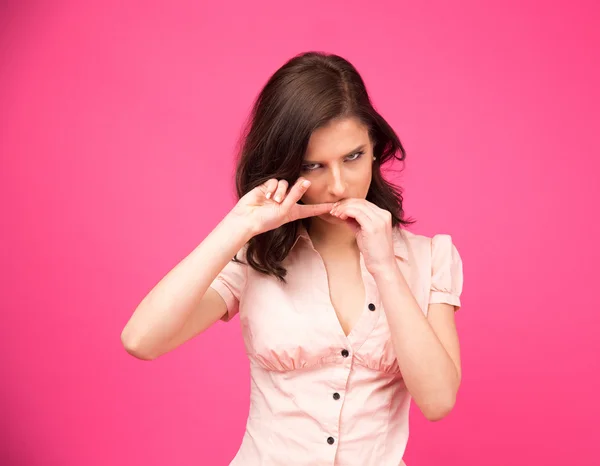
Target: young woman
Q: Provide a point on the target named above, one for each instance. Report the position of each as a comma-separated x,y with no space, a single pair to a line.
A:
345,315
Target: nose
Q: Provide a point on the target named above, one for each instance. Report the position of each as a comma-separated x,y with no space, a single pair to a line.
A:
337,183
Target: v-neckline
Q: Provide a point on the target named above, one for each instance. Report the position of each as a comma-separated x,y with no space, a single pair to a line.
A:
367,319
351,334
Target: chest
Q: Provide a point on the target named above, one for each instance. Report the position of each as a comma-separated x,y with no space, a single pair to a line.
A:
346,289
325,306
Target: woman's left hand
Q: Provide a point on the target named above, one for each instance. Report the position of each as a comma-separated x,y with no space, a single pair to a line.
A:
373,229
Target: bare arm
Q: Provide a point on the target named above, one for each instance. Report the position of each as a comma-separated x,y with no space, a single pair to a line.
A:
426,348
182,305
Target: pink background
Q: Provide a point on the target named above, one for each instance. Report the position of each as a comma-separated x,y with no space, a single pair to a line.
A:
118,123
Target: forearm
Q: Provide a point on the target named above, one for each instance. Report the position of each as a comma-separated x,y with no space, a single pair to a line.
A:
429,373
167,307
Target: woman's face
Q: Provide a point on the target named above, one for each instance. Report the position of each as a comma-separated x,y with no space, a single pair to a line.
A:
338,162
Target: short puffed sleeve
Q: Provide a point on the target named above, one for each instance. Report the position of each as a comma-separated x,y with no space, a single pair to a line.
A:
446,272
230,283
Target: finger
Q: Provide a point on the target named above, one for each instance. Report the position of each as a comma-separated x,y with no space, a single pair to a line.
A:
378,212
369,207
361,215
311,210
296,193
268,187
359,204
281,190
375,212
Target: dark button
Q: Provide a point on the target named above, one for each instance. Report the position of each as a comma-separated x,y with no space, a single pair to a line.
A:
330,440
345,353
336,396
371,306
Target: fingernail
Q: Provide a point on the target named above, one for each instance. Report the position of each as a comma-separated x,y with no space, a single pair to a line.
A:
306,183
336,204
268,195
277,198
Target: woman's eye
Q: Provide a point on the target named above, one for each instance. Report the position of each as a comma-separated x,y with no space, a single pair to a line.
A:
313,166
309,167
356,156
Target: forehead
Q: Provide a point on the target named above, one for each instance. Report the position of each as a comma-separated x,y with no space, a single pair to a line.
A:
337,138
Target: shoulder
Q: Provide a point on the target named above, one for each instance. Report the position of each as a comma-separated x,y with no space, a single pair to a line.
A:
411,246
436,242
419,249
413,238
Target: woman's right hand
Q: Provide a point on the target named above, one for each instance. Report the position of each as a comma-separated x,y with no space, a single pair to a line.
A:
270,205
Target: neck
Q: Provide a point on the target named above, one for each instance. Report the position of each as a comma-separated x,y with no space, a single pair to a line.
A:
331,235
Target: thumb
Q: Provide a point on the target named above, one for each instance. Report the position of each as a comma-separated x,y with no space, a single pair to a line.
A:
311,210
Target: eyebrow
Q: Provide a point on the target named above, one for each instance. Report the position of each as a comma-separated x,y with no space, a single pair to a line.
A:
362,147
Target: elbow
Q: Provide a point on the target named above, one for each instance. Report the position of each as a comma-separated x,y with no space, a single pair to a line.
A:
443,403
438,410
133,347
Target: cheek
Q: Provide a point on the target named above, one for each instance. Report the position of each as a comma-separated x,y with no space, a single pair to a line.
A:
316,192
309,196
362,181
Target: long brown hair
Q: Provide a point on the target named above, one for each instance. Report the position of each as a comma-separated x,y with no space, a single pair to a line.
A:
306,93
